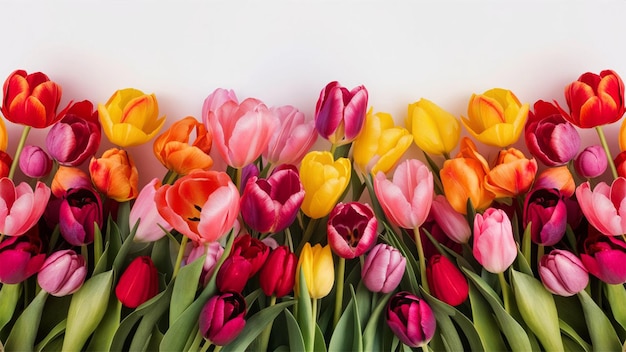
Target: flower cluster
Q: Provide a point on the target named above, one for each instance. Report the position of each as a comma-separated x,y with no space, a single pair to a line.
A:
365,244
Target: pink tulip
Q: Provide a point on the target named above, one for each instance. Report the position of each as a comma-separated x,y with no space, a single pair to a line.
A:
79,210
213,252
604,258
453,223
562,273
546,211
35,162
340,113
223,318
292,139
407,199
240,131
604,207
351,229
219,97
411,319
63,273
144,210
494,245
591,162
21,257
20,206
383,268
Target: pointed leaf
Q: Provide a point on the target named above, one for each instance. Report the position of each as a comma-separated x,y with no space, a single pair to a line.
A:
616,295
185,287
320,343
603,336
108,326
347,334
9,295
371,334
296,342
569,331
485,322
53,334
24,332
304,313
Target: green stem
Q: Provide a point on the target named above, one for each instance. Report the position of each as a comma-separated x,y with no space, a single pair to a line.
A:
179,258
206,346
18,151
85,253
425,348
422,258
170,177
341,269
540,251
505,292
312,325
97,245
238,178
333,147
265,170
288,239
310,228
607,151
217,348
265,336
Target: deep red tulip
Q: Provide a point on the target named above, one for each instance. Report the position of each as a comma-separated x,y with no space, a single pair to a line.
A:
351,229
233,275
138,283
278,274
446,281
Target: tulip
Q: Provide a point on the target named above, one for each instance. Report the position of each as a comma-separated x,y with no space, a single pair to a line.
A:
620,164
63,273
316,264
76,137
453,223
513,174
546,211
446,281
202,205
138,283
222,318
20,206
380,144
252,250
270,205
494,246
435,131
67,177
411,319
152,226
4,136
171,148
556,177
383,268
604,207
407,198
31,99
324,180
21,257
278,274
591,162
595,100
562,273
495,117
213,252
549,136
115,175
130,117
340,113
232,123
215,100
5,164
352,229
35,162
234,274
292,138
79,211
604,257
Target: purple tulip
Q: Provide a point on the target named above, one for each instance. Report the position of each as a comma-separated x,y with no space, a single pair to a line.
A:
591,162
351,229
546,210
21,257
340,113
562,273
383,268
80,208
34,162
222,318
63,273
604,257
411,319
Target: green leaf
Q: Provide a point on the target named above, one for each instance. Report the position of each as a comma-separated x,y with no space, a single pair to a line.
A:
603,336
347,334
9,295
569,331
185,287
24,332
616,294
371,335
161,256
319,344
296,342
304,313
412,268
122,254
53,334
446,328
469,330
107,327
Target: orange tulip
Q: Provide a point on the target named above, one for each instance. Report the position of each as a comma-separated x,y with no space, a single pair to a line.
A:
68,177
115,175
513,174
173,151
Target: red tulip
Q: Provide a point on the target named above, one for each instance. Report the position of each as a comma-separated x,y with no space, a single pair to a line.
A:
351,229
411,319
233,275
446,281
138,283
278,274
222,318
5,163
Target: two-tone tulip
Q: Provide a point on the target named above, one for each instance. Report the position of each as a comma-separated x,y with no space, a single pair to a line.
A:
173,150
63,273
435,131
115,175
324,180
494,246
22,206
278,274
383,268
340,113
512,175
411,319
318,269
292,138
546,211
351,229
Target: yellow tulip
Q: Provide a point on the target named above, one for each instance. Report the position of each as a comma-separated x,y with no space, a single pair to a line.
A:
495,117
317,268
4,137
130,117
324,180
380,144
434,130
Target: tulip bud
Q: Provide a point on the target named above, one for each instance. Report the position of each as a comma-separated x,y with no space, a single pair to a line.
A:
21,257
317,268
63,273
233,275
453,223
383,268
213,252
445,280
562,273
435,131
222,318
591,162
324,180
494,246
351,229
340,113
278,274
546,210
35,162
138,283
68,177
411,319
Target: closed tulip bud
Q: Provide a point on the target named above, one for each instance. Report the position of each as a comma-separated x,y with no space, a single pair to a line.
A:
324,180
351,229
278,274
130,117
22,206
318,270
512,175
546,211
340,113
411,319
79,211
233,275
76,137
562,273
173,150
63,273
5,164
434,130
68,177
35,162
222,318
591,162
213,252
604,257
445,280
21,257
138,283
292,138
603,206
494,246
453,223
151,226
115,175
383,268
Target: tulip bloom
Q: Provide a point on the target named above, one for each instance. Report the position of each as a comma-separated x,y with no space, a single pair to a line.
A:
340,113
595,100
513,174
202,205
324,180
318,270
562,273
234,274
407,198
604,207
380,144
549,137
411,319
35,162
270,205
445,280
252,250
172,147
546,210
604,257
222,318
151,223
591,162
292,138
5,164
451,222
76,137
20,206
63,273
130,117
383,268
79,211
115,175
494,246
556,177
21,257
435,131
278,274
213,252
68,177
138,283
31,99
351,229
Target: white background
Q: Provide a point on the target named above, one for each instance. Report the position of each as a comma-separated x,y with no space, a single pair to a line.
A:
284,52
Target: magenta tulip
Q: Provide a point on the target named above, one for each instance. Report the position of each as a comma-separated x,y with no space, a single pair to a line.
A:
546,211
21,257
233,274
351,229
63,273
562,273
278,275
138,283
151,224
604,257
494,246
411,319
79,210
340,113
604,207
293,137
591,162
445,280
383,268
35,162
223,318
20,206
451,222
